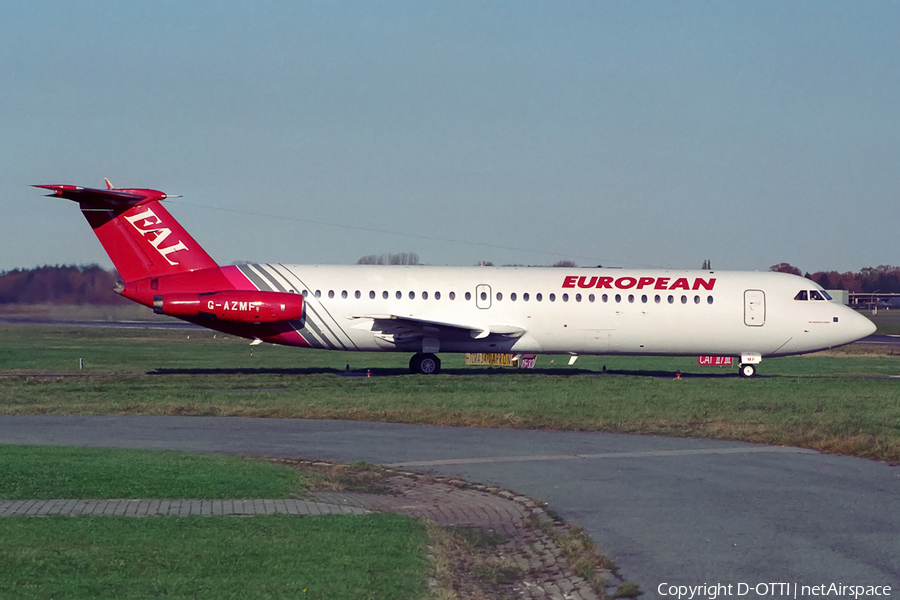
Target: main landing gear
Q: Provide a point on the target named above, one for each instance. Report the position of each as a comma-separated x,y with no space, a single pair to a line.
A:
747,370
425,364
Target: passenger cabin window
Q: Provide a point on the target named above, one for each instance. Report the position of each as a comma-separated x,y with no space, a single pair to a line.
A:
437,295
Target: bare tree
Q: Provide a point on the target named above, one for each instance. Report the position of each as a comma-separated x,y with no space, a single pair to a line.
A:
401,258
565,263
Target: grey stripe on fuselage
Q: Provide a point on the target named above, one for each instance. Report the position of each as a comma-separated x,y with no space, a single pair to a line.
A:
270,283
323,319
309,327
312,326
253,277
308,331
318,320
277,278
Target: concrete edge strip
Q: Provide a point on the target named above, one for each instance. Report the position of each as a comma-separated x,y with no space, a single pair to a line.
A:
168,507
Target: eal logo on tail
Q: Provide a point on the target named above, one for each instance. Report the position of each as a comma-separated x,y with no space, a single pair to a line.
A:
147,223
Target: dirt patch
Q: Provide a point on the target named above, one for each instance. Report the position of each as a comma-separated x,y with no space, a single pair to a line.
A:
484,542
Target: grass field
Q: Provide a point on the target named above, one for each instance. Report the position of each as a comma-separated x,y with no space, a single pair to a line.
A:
50,472
369,556
837,402
349,557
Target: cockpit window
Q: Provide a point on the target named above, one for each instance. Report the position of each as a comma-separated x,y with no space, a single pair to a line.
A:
812,295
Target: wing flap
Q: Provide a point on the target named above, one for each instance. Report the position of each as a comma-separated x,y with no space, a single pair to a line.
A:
433,328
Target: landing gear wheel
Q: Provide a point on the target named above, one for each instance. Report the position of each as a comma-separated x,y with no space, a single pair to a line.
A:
747,370
425,364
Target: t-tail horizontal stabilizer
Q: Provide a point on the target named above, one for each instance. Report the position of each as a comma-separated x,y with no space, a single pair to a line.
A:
139,235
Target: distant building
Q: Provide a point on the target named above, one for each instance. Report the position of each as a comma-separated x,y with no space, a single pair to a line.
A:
842,296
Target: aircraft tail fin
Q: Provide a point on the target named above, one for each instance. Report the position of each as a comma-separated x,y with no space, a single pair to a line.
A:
138,233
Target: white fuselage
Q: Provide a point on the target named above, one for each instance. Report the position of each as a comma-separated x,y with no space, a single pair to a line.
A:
560,310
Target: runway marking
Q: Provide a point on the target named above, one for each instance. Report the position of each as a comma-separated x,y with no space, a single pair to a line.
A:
647,454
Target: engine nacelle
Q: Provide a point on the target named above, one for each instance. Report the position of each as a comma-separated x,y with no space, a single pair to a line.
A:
238,306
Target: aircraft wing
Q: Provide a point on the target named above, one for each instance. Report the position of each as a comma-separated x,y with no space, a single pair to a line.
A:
430,328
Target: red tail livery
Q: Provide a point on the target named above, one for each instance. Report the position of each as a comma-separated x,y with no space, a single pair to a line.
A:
164,268
138,233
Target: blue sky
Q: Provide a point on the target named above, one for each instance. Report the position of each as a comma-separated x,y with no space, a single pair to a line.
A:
615,133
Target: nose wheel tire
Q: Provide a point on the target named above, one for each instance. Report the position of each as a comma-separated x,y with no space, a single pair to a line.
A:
747,370
425,364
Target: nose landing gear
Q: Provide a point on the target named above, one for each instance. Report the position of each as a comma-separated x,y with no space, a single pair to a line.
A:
747,371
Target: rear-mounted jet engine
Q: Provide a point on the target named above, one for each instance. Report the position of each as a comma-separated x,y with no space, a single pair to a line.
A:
238,306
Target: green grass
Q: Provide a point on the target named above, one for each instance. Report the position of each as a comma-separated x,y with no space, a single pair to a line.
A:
332,557
43,472
837,402
887,321
370,556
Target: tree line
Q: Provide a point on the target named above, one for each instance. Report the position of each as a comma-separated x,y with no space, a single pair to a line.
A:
883,278
60,284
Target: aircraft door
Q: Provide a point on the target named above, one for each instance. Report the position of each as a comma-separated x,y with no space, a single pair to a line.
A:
754,308
483,296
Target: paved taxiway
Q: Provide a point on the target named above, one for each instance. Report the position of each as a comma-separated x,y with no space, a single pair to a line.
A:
681,511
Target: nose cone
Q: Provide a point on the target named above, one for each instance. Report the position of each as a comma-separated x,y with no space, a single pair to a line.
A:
856,326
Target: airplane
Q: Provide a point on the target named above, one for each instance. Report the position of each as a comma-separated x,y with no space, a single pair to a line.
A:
425,310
